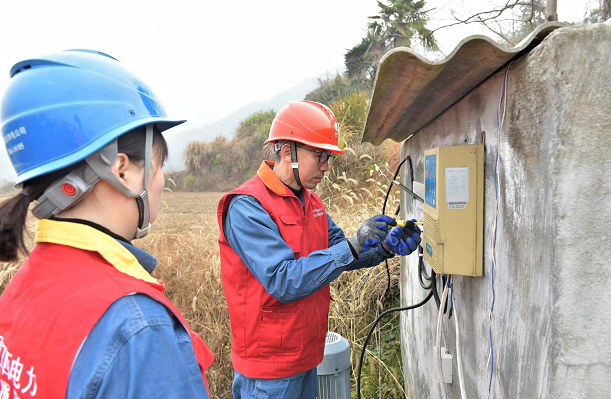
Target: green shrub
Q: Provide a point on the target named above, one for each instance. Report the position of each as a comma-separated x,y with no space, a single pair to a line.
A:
190,183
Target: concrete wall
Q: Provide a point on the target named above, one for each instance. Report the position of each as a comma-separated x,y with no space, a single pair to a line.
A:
553,299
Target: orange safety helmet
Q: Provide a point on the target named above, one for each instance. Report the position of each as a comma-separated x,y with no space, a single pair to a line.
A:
306,122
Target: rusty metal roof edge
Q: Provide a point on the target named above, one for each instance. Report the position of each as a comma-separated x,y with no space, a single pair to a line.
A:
510,52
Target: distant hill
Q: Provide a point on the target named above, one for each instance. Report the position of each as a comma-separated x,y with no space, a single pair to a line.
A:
178,140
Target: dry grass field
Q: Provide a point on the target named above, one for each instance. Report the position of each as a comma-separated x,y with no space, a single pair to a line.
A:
184,239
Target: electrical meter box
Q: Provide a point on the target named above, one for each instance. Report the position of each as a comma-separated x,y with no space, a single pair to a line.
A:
453,241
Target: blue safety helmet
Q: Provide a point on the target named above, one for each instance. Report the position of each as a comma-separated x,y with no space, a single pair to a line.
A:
72,106
61,108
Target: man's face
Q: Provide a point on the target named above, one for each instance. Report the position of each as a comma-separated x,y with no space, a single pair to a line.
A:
311,170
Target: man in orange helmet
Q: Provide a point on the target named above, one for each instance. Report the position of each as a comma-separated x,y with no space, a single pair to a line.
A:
279,252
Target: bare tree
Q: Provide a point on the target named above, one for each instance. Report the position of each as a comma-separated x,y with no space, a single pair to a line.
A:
526,14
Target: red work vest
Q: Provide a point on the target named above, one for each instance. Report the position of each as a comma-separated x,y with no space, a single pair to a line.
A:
49,308
270,339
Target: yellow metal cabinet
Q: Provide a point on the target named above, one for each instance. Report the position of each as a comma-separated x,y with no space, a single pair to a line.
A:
454,209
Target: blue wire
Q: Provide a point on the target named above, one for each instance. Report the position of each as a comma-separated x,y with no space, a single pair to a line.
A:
496,195
492,284
451,293
492,281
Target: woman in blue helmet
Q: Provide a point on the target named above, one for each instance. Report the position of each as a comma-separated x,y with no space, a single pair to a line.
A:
83,317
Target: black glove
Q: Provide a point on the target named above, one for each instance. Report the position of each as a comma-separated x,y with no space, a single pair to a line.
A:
371,234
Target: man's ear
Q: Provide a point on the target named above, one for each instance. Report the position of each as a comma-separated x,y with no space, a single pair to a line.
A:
285,152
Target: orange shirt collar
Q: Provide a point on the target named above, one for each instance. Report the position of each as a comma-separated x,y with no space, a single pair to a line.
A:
269,178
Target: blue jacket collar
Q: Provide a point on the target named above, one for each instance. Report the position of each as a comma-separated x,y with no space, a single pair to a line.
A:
146,260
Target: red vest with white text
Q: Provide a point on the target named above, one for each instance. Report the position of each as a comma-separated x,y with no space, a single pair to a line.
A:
270,339
49,308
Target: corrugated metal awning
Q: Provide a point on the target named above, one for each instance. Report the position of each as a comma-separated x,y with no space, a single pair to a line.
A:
409,91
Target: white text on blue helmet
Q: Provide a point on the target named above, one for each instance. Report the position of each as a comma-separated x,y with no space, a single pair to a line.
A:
14,134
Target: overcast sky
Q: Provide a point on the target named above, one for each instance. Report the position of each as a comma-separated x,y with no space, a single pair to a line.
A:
207,58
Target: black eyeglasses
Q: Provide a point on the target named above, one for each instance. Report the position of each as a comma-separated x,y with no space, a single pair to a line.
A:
323,156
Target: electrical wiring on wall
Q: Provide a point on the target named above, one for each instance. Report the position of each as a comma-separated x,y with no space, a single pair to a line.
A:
438,341
431,279
461,375
500,118
428,281
422,276
397,211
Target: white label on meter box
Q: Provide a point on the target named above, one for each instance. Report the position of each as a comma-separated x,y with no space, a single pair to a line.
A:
457,205
457,187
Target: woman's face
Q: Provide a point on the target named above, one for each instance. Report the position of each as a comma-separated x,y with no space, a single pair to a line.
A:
155,189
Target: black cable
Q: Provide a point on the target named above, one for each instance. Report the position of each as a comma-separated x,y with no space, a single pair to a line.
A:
436,293
432,279
358,378
394,177
387,279
434,289
444,280
411,169
421,269
422,272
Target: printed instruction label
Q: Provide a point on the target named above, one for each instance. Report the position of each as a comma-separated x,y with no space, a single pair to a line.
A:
457,187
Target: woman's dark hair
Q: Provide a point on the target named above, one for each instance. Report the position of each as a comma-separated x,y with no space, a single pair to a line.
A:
13,212
132,145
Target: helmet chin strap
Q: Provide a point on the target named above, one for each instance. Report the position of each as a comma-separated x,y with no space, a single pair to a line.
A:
144,224
294,163
100,163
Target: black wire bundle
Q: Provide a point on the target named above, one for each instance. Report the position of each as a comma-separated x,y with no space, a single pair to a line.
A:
411,169
358,379
422,276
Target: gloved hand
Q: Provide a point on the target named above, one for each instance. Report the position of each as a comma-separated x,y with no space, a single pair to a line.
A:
403,240
371,234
